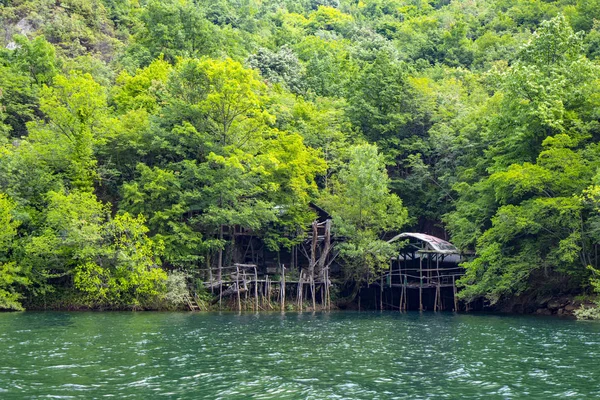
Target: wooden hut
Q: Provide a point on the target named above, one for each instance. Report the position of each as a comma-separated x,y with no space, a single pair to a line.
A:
428,265
298,274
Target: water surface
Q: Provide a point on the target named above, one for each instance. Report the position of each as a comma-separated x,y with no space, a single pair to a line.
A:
339,355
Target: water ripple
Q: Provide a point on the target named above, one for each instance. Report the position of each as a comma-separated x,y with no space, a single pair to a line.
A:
296,356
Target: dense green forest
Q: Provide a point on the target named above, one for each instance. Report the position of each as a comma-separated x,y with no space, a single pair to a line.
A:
133,131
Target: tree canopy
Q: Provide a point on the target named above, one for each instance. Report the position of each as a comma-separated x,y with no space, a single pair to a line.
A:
134,134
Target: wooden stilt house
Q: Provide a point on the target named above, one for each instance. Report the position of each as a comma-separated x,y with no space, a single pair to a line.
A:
426,265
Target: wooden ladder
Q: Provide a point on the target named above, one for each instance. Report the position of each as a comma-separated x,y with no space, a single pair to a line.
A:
192,304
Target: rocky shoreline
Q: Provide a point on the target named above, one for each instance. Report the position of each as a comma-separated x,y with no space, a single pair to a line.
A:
562,306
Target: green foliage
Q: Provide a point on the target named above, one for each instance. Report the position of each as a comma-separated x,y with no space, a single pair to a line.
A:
129,275
174,29
76,117
363,209
176,289
37,57
282,67
587,313
21,71
201,116
143,90
329,19
381,104
70,234
528,216
11,276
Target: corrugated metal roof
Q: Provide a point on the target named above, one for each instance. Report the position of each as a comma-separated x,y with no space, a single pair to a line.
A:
437,244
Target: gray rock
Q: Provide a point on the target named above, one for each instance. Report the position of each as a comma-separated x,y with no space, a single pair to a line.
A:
554,305
24,27
570,308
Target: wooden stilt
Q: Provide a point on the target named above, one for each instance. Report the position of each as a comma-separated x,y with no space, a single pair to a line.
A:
439,278
245,289
220,292
237,283
270,292
421,282
401,297
282,287
322,262
220,266
405,293
454,293
381,294
402,289
299,290
210,276
255,289
305,287
313,262
324,293
328,289
267,290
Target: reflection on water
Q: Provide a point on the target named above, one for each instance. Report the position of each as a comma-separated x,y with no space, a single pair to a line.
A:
341,355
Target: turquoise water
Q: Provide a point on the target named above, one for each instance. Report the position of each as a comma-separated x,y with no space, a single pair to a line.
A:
339,355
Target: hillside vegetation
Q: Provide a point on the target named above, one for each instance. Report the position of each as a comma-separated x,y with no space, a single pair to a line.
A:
132,132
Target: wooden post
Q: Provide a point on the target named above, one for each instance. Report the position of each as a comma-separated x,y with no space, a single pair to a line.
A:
237,283
381,293
454,293
282,287
327,298
245,289
421,282
405,292
402,294
210,276
220,292
437,288
255,289
220,266
313,262
267,297
220,262
324,256
305,287
401,284
299,291
328,291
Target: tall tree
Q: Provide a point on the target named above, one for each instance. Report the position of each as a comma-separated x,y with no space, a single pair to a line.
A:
364,211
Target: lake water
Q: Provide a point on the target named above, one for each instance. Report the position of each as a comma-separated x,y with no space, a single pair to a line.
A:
338,355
